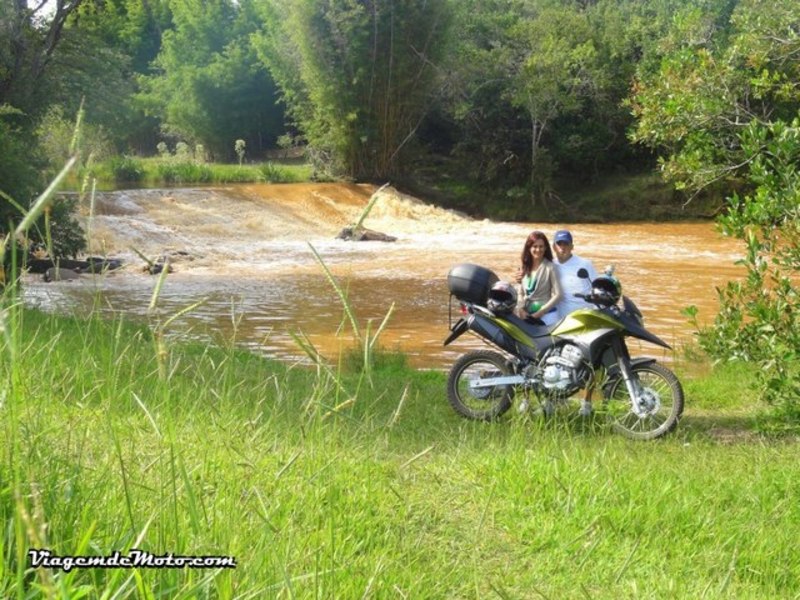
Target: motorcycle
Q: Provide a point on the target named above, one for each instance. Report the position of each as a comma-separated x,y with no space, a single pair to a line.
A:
585,350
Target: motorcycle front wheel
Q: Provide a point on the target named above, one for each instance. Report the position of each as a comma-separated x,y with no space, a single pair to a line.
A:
659,408
485,403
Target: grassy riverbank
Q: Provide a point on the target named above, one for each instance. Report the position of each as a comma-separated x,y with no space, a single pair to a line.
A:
159,171
621,197
322,485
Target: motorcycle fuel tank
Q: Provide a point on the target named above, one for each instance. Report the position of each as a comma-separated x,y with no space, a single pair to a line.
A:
584,320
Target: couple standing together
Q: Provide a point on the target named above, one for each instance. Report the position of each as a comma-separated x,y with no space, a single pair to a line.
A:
549,286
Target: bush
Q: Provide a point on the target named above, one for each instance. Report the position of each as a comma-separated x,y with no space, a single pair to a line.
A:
126,169
184,172
273,173
759,317
19,179
55,133
66,234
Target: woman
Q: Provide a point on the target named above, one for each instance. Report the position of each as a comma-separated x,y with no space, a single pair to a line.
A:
537,275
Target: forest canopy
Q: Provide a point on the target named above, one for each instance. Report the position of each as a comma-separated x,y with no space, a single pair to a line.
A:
520,97
526,93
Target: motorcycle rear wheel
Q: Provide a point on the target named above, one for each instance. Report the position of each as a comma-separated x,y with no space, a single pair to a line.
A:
663,409
483,404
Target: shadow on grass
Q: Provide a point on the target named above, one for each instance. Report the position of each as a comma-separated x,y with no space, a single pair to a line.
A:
722,428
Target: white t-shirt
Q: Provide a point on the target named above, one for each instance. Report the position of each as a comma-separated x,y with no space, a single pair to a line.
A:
571,284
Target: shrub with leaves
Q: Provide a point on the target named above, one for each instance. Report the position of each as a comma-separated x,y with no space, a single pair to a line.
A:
759,317
55,134
723,104
126,169
66,235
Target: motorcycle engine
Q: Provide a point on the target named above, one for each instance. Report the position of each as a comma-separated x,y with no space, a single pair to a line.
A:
562,369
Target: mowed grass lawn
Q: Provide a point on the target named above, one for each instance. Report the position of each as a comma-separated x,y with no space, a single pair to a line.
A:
329,485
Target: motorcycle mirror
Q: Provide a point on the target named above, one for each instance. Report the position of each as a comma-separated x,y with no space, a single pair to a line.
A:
583,273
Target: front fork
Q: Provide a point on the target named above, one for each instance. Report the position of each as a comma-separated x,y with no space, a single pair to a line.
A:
624,364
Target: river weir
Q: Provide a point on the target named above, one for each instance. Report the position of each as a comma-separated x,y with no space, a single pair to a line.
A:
244,252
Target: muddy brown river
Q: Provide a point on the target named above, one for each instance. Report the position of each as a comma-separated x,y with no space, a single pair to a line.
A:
244,250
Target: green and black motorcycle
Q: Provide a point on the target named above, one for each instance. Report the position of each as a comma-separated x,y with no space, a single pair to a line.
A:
585,350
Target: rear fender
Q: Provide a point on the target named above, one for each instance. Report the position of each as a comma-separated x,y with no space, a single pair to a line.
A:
459,329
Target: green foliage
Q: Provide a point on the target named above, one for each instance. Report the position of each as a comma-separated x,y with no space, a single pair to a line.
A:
114,43
724,106
28,43
132,26
55,133
181,167
537,89
714,78
126,169
273,173
168,169
66,237
357,78
209,87
183,172
389,493
19,178
56,228
759,318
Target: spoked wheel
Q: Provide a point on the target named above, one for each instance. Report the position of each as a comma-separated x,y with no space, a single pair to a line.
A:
659,407
471,400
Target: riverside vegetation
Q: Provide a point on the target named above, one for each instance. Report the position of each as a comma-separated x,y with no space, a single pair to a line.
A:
355,479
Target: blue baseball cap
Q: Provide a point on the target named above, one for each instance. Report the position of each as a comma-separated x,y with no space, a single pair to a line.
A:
562,235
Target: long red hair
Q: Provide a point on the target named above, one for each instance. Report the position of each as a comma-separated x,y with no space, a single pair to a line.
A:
527,259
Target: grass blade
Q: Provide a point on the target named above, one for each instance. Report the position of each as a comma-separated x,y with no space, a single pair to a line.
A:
43,201
162,277
368,208
342,296
382,326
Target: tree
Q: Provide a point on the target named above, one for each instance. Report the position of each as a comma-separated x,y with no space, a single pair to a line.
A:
209,86
18,175
725,107
28,43
537,86
555,67
116,42
716,78
357,77
491,134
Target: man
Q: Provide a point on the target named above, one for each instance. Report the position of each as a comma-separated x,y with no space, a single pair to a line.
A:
567,266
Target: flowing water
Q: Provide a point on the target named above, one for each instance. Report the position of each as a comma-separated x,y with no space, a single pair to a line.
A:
244,250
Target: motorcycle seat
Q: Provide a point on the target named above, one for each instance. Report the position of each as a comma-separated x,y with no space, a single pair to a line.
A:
530,328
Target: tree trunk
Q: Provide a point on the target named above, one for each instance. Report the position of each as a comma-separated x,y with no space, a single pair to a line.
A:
534,151
32,47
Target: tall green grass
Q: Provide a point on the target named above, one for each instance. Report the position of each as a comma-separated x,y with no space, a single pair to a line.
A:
323,487
127,170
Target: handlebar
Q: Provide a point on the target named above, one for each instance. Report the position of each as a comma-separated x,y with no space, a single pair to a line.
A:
592,299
